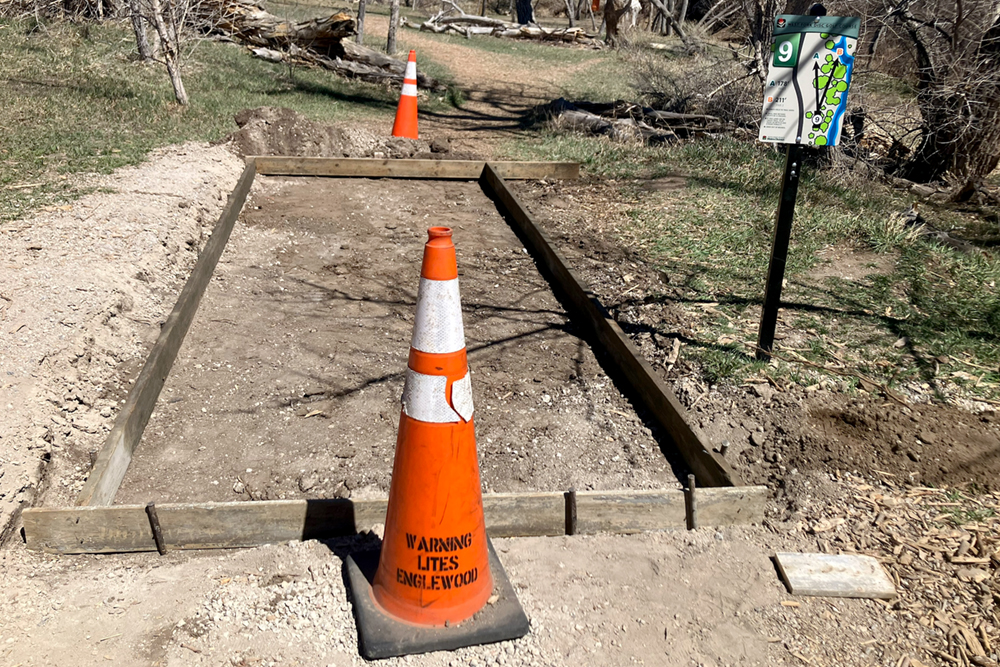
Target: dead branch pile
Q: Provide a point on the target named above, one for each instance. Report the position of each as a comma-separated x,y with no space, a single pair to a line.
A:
453,19
625,121
317,42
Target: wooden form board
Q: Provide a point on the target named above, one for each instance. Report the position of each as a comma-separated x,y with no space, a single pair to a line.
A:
828,575
709,468
125,528
95,526
467,170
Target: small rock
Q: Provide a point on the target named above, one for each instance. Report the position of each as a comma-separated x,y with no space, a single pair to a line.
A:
308,481
440,146
757,439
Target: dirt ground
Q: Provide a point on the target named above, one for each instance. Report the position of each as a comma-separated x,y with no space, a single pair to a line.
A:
289,383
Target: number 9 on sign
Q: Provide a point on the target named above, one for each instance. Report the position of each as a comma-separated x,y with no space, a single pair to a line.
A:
786,50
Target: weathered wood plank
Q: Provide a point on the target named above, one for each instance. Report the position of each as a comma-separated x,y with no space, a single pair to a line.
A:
524,514
731,506
635,512
116,455
468,170
709,468
122,528
827,575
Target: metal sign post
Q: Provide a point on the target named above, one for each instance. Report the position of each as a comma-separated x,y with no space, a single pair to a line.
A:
804,104
779,251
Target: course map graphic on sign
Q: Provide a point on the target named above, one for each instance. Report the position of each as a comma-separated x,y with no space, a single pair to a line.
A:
805,98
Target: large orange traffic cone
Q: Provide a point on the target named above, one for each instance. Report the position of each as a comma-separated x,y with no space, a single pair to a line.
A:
406,112
434,566
436,569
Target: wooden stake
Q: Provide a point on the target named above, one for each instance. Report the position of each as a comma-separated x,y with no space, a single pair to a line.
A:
571,512
154,523
690,506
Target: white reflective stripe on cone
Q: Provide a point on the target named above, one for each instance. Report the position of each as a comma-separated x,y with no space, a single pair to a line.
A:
410,89
424,398
438,325
411,70
461,397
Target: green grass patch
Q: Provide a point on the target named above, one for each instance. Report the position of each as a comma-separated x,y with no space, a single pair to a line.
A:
912,314
75,100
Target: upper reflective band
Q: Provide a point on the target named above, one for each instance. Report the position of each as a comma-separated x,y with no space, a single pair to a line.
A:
411,71
425,399
438,326
410,89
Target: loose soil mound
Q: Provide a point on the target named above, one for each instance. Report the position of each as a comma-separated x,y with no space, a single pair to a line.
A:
926,444
280,131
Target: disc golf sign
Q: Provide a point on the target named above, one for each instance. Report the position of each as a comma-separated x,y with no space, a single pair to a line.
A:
812,59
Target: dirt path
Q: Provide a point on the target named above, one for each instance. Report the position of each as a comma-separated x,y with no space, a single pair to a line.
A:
498,88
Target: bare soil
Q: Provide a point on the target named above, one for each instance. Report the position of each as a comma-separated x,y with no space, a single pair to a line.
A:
289,383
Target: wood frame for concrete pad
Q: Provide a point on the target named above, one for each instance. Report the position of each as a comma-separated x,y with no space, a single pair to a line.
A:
126,528
95,526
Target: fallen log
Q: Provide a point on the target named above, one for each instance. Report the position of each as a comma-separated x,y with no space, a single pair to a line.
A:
468,25
623,129
318,42
624,121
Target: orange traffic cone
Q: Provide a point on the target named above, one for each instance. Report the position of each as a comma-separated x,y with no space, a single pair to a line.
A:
436,569
435,566
406,112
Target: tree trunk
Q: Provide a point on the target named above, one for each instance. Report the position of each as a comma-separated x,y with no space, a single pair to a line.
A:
569,14
760,20
141,42
614,10
390,44
361,22
958,67
170,50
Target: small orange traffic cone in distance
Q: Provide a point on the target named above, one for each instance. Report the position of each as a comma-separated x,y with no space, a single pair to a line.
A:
406,112
434,565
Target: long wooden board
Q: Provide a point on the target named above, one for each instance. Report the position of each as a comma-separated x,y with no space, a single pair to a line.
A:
116,454
709,468
467,170
124,528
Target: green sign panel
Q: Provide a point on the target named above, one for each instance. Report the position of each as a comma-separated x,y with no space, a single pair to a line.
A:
812,60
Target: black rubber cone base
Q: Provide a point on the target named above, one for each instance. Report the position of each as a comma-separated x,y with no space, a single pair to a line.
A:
383,636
